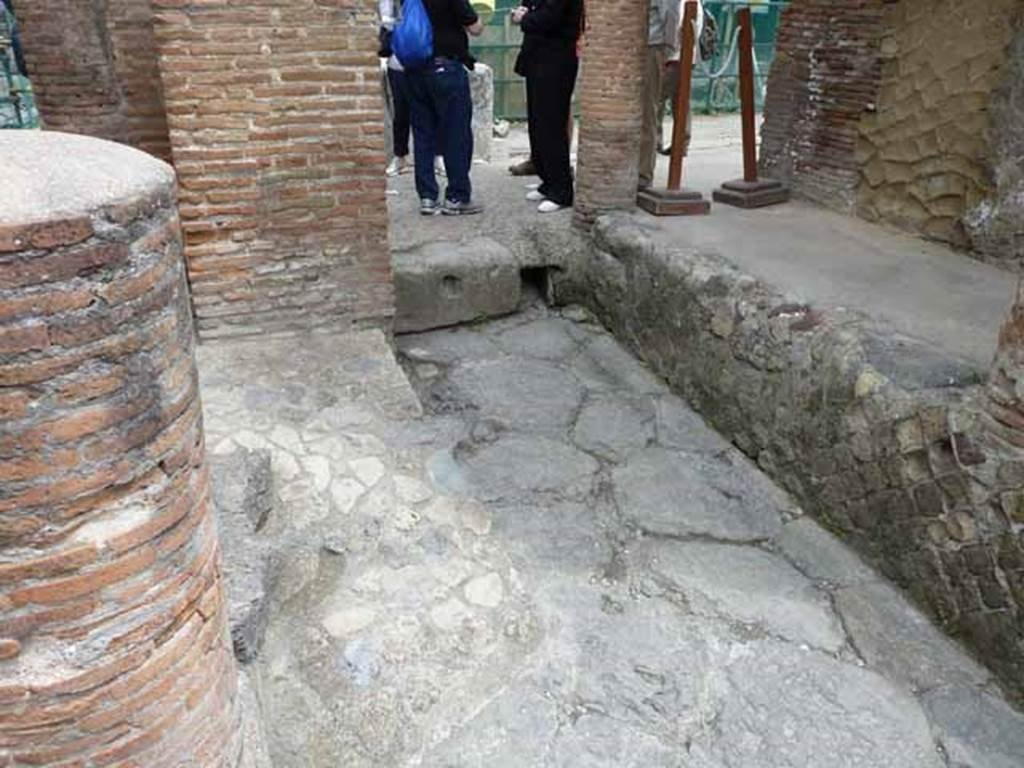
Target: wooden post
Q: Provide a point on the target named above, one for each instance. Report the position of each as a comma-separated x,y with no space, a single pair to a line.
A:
676,201
683,92
747,95
749,192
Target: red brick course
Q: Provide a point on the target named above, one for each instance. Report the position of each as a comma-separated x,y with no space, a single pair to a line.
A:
278,134
94,70
113,637
610,91
825,75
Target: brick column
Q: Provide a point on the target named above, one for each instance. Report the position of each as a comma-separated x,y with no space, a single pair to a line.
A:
94,70
611,86
277,125
113,635
825,75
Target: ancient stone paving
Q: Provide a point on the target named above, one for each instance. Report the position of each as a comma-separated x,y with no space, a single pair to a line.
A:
556,564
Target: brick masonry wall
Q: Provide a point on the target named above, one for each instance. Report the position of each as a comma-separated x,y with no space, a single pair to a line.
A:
925,153
277,126
824,78
94,69
892,446
611,85
113,636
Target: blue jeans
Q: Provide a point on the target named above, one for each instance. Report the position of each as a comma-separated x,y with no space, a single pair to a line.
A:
441,112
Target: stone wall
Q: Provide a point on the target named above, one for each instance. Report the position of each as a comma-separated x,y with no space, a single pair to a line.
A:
996,226
882,438
113,634
610,90
925,152
823,79
277,126
94,69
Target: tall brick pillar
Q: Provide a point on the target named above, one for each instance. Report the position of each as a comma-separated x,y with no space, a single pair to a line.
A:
94,69
611,86
113,636
277,127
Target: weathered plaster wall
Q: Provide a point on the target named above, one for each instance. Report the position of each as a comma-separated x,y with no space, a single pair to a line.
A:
996,226
925,152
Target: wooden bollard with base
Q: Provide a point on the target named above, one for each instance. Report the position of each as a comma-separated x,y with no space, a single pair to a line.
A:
675,200
750,191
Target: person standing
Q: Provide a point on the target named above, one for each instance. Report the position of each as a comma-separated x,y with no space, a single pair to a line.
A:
439,98
660,78
397,97
549,62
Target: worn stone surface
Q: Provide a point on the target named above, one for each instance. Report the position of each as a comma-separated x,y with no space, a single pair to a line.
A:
882,437
821,556
976,729
442,284
484,596
903,643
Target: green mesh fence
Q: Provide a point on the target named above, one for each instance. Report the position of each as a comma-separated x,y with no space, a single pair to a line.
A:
17,104
714,81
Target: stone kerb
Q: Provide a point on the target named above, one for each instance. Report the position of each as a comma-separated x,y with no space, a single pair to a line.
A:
882,437
113,638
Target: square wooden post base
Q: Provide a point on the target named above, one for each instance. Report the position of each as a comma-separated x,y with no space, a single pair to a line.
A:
751,194
667,202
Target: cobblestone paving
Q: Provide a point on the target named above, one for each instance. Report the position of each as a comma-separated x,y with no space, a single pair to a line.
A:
555,564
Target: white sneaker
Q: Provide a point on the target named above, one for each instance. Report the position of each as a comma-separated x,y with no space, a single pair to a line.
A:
395,167
535,185
550,206
535,196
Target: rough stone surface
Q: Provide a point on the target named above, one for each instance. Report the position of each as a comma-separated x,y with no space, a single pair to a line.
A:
439,284
885,439
976,729
901,642
481,88
682,494
489,601
821,556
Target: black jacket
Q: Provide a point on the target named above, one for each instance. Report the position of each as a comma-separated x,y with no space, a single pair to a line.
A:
550,31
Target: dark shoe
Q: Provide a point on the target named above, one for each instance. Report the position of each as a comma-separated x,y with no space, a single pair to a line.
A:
525,168
665,150
429,207
452,208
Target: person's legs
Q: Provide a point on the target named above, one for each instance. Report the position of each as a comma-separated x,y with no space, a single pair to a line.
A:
455,106
553,100
669,86
533,124
400,115
649,128
423,117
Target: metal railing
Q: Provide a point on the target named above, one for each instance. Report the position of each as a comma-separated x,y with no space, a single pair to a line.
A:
714,81
17,104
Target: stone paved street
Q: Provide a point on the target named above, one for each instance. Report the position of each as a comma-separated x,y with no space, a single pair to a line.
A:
554,564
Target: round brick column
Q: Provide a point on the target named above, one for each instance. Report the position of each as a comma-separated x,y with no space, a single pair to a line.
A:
113,634
610,98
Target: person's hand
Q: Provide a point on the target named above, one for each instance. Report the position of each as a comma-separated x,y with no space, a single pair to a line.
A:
518,13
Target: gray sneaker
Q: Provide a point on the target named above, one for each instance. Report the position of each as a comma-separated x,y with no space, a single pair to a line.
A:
452,208
429,207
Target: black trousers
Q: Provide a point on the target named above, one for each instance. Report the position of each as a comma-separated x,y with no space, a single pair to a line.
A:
549,85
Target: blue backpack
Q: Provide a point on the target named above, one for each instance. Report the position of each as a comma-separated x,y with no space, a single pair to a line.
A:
413,38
